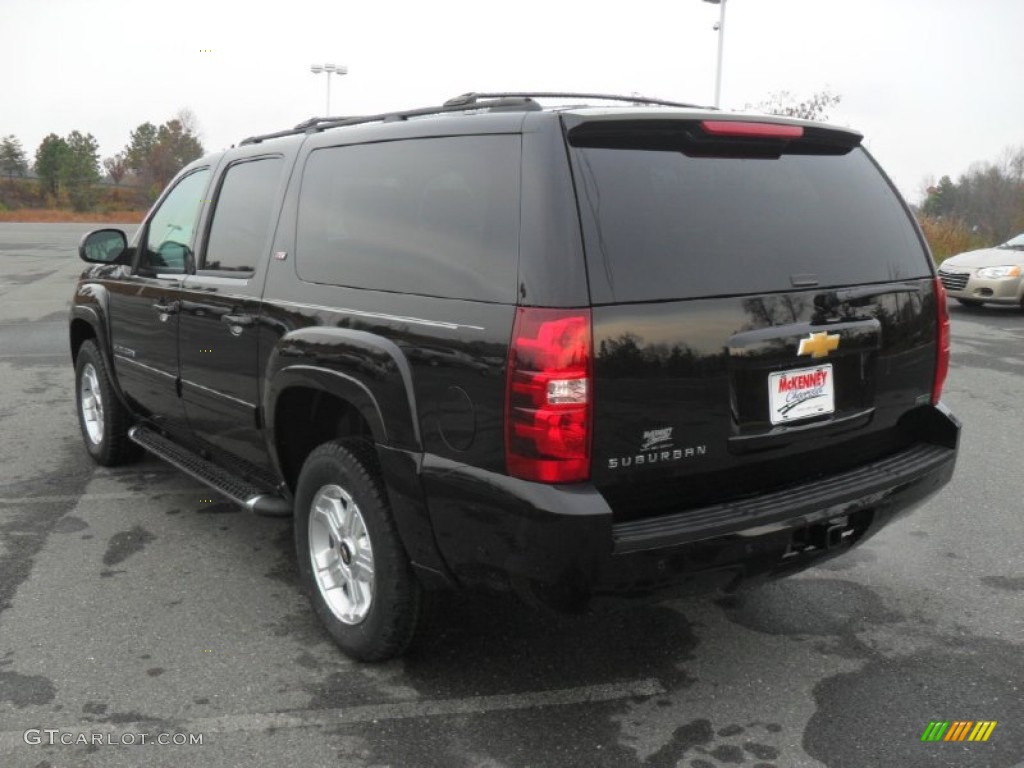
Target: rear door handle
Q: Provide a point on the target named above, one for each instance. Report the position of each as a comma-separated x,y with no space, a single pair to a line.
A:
170,308
241,320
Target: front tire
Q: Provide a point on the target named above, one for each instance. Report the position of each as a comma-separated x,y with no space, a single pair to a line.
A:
102,417
351,559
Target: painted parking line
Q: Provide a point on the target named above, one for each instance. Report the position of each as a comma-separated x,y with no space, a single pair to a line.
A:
402,710
61,355
113,496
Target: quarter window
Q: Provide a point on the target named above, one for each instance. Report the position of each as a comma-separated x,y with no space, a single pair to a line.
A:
436,217
173,226
244,217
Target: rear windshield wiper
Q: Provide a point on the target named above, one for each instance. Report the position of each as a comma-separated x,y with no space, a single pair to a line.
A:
829,301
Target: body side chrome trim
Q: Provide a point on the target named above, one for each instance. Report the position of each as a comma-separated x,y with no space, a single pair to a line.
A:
199,279
143,365
219,394
375,315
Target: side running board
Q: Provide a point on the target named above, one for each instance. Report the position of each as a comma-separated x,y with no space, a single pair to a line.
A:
241,491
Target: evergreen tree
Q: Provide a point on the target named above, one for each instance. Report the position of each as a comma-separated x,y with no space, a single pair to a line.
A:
12,157
50,158
157,154
81,169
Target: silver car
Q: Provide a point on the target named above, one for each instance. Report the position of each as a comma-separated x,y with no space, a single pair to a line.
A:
987,276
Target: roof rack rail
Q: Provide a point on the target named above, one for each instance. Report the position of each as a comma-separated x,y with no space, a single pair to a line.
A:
317,124
468,99
495,102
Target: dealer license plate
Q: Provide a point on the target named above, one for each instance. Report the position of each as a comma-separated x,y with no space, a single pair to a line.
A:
801,394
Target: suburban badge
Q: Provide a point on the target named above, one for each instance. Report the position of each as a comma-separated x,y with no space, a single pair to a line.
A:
657,446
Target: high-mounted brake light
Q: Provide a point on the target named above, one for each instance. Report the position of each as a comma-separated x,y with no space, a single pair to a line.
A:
751,130
548,395
942,356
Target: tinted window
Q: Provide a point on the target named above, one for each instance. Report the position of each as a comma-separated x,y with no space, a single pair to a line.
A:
661,225
173,226
245,214
438,217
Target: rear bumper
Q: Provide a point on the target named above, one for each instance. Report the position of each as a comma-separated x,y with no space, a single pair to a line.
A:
558,544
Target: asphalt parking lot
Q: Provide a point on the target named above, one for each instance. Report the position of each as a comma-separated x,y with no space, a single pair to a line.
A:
135,604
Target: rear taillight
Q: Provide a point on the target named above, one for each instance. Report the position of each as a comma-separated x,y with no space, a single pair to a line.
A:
942,359
549,395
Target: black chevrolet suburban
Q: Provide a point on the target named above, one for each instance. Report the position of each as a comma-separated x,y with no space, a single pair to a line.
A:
577,352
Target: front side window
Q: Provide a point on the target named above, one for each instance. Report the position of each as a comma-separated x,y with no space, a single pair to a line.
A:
244,216
435,217
173,226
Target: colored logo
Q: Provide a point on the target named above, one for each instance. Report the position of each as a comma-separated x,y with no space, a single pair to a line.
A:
958,730
819,344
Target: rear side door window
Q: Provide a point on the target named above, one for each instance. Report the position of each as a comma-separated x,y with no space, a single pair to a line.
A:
244,217
433,216
172,228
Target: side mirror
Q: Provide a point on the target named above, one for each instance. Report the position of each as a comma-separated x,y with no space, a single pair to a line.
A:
103,246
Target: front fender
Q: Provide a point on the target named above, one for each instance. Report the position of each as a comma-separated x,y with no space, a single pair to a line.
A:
91,305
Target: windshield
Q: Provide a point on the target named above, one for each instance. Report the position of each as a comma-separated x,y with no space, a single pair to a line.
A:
660,225
1017,243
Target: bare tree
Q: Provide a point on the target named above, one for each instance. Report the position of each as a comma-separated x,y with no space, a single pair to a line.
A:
815,107
987,200
116,167
189,122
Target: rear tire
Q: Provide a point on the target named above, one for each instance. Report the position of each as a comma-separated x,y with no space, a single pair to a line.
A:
351,559
102,417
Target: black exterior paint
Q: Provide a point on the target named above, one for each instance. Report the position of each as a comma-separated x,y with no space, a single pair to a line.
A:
427,377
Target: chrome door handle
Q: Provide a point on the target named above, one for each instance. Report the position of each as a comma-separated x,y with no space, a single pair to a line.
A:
242,320
170,308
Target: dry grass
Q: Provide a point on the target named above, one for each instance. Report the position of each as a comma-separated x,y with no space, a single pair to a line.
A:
948,237
47,215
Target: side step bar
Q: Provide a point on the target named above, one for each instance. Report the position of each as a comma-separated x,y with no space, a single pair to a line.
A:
239,490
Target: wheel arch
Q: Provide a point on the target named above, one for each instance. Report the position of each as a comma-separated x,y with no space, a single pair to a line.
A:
89,320
80,331
307,406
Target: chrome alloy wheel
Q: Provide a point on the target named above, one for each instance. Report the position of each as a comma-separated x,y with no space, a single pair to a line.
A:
341,554
91,403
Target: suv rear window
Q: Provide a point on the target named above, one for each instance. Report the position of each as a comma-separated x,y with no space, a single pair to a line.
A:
659,224
436,217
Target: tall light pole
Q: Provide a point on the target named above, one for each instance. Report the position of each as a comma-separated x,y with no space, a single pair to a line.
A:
329,69
720,27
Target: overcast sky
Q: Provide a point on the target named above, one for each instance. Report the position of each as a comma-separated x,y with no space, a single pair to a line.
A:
935,85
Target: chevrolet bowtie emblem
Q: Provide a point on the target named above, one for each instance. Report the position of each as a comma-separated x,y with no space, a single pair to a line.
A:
819,344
